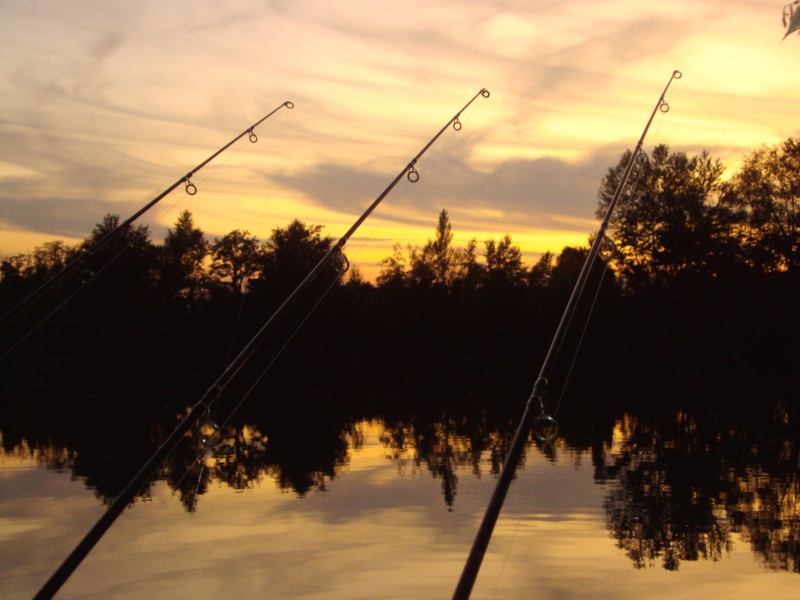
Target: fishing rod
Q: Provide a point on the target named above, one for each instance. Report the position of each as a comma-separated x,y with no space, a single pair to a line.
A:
190,188
535,418
203,407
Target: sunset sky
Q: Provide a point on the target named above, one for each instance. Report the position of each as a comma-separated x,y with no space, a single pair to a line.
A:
104,105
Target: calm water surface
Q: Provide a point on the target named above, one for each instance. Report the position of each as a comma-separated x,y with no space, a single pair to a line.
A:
379,529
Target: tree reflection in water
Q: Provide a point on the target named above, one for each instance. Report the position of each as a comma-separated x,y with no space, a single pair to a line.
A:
682,483
245,457
438,445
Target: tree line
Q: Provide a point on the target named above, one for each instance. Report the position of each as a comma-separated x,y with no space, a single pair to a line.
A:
704,274
694,314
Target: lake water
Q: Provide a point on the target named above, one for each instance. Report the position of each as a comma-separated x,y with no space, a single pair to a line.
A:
395,522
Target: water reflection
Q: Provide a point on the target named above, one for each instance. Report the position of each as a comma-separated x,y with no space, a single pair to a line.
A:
682,482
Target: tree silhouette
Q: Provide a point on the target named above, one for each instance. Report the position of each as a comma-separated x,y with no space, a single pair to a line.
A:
289,255
435,263
125,263
767,190
503,264
539,275
470,273
21,274
393,268
182,255
236,257
49,258
670,220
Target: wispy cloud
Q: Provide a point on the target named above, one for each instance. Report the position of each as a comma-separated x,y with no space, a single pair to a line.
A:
103,105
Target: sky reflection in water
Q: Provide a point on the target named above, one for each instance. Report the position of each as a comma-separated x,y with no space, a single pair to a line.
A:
379,531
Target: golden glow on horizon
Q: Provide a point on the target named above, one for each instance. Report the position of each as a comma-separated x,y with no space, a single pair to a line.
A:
104,113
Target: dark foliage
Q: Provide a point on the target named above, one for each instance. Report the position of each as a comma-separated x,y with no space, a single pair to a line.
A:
702,295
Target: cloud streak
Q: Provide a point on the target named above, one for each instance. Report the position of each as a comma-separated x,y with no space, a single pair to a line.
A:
105,105
542,193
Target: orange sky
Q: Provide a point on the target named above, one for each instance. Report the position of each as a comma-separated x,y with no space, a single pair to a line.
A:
104,106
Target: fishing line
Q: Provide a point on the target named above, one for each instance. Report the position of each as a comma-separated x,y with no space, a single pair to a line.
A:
506,556
91,276
79,260
269,365
197,488
616,255
457,125
103,267
280,351
662,115
203,179
438,150
275,358
334,257
534,418
160,217
380,221
612,253
218,404
580,340
257,235
708,112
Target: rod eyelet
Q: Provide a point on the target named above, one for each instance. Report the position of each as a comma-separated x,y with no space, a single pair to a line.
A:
87,276
457,124
413,175
288,104
607,248
191,188
210,434
545,428
340,263
253,137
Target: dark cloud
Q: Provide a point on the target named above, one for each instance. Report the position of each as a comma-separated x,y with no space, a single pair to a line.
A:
542,192
58,216
106,45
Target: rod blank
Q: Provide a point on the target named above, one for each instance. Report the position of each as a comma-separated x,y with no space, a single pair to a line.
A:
202,407
534,404
191,189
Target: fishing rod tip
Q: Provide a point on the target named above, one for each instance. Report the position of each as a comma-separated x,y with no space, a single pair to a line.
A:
485,93
676,74
289,104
